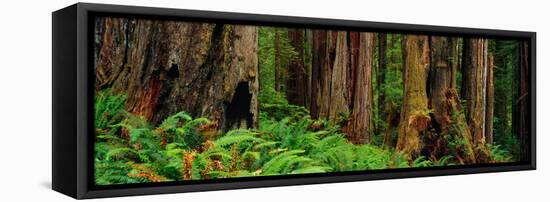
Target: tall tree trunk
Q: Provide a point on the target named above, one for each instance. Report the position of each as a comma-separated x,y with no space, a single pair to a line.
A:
206,70
277,63
445,104
502,95
490,99
392,111
414,114
323,54
341,73
360,125
308,43
524,103
382,47
297,73
339,78
474,89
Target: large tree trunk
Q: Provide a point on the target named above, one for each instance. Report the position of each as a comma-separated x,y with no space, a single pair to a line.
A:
361,123
445,104
524,103
341,75
414,114
207,70
474,90
324,44
297,86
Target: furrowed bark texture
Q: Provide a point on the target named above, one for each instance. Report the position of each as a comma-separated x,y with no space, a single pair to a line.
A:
414,117
445,104
341,75
361,123
166,67
474,90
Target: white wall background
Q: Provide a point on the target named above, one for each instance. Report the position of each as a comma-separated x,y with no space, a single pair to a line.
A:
25,99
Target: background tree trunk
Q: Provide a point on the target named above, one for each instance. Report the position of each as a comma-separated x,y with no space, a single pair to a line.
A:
308,46
414,113
166,67
502,94
382,48
524,103
490,99
297,73
278,63
392,110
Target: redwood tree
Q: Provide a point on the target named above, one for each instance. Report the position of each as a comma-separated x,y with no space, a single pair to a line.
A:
206,70
361,123
445,104
414,113
341,81
474,91
297,81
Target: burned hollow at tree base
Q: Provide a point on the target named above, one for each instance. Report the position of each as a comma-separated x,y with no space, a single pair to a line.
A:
178,100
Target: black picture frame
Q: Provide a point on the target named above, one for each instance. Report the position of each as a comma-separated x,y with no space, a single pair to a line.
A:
73,94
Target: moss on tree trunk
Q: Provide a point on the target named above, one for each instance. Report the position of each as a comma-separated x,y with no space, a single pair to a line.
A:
166,66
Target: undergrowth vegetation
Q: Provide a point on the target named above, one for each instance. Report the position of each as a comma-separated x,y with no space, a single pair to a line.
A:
129,149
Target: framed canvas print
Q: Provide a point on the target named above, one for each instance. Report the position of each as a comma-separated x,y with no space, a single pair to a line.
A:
155,100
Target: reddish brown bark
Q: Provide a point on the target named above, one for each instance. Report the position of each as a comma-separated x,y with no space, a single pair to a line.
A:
361,123
166,66
342,84
474,84
490,99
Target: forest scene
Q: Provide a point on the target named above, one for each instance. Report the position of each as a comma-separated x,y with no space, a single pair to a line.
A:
181,101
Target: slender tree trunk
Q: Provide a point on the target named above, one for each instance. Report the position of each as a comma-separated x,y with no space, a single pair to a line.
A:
490,106
445,104
524,103
502,95
318,52
474,89
392,111
382,47
308,43
297,73
164,70
277,63
414,114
